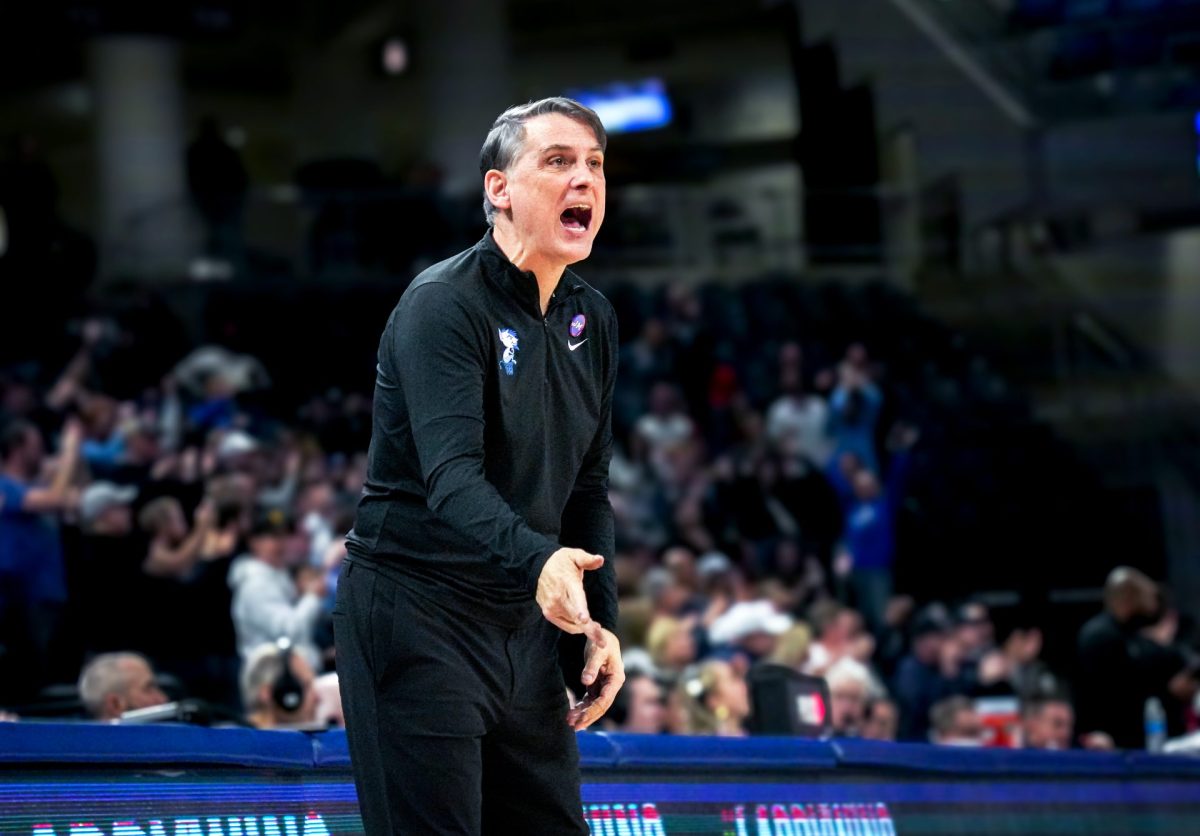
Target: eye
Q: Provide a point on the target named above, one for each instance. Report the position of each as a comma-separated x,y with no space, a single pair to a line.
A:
596,164
557,160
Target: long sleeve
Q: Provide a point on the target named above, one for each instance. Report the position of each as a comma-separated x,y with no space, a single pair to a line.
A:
587,520
438,355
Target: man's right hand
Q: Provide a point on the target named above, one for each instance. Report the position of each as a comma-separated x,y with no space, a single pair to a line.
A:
560,592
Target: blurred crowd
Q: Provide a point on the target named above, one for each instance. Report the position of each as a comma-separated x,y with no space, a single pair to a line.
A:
185,541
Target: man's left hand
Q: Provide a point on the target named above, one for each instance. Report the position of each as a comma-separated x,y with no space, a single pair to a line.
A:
603,675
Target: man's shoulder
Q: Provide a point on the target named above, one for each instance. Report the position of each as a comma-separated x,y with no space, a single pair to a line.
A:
457,275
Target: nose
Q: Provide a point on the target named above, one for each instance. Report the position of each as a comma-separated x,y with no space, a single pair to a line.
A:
583,176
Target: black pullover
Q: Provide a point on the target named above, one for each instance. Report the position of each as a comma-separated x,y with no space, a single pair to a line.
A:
491,438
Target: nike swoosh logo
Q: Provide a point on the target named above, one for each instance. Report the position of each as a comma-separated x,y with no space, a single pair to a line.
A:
574,346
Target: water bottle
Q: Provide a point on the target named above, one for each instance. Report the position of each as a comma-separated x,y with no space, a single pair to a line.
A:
1156,725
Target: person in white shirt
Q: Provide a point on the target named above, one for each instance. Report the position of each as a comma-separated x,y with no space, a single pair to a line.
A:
268,602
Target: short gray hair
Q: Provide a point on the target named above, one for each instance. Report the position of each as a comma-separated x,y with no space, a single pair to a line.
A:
505,140
102,676
263,666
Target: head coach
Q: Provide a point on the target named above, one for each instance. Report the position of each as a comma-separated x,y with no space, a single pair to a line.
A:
484,532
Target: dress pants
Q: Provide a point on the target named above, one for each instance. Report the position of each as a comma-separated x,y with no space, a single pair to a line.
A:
455,726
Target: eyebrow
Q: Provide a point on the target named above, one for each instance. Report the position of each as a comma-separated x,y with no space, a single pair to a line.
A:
560,147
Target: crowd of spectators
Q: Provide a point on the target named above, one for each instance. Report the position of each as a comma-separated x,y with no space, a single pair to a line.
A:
186,540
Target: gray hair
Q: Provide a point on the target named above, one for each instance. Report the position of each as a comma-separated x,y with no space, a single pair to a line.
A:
263,666
506,139
105,675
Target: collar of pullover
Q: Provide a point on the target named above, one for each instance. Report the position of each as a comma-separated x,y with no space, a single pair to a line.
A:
521,284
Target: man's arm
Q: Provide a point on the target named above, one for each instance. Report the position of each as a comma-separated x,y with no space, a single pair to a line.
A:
59,496
587,520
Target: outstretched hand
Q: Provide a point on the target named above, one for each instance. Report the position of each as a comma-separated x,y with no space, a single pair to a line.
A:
603,675
560,593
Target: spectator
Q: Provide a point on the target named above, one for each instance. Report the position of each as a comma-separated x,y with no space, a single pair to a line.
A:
716,700
1047,722
926,675
276,696
173,549
32,574
218,183
671,643
855,407
752,627
850,688
114,683
870,531
639,707
104,573
882,720
954,722
798,422
791,650
839,633
664,428
1116,674
975,633
268,604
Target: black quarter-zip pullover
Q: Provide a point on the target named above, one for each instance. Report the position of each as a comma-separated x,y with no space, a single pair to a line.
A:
491,438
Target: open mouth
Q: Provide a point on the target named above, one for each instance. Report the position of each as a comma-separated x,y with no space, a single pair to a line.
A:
577,218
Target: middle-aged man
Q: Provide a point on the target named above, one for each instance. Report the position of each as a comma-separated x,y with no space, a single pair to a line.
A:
113,683
1120,668
485,504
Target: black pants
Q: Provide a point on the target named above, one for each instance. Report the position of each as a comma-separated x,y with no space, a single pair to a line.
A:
454,726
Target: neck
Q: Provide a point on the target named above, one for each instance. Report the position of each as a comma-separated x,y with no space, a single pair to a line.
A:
546,273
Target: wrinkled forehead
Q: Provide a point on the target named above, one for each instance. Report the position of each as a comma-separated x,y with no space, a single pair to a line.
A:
556,130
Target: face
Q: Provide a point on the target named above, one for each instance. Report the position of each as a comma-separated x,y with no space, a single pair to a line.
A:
968,728
114,520
554,189
730,690
1051,727
866,486
269,547
141,689
681,648
846,705
647,712
881,725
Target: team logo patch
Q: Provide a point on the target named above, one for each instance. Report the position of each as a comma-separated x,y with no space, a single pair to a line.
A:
508,360
577,325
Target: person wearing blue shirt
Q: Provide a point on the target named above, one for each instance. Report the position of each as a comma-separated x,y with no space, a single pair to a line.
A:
869,537
854,411
32,578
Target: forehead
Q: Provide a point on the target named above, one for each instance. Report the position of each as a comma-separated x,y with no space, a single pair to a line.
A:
557,129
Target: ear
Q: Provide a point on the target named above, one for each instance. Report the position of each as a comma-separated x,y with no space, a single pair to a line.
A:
495,185
114,705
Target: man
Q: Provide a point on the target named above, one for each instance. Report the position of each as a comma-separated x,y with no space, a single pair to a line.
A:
268,604
1047,722
114,683
104,568
32,576
850,688
954,722
1119,669
926,675
484,506
882,720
